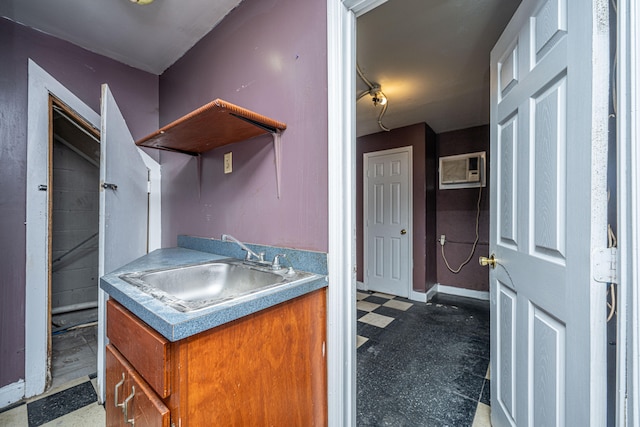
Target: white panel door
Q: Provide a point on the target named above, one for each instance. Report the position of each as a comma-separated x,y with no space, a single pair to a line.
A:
387,233
123,216
548,199
123,206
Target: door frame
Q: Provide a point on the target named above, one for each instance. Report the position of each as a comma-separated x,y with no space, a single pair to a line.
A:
341,136
36,353
365,200
41,86
341,36
628,214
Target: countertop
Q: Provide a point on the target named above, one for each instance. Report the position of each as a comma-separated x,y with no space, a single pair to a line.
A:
175,325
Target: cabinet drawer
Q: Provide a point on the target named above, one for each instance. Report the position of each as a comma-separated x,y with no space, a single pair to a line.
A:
144,348
129,397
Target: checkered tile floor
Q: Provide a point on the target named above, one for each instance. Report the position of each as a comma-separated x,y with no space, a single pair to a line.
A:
73,404
418,365
422,364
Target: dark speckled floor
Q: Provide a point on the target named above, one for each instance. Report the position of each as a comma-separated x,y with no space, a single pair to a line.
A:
427,366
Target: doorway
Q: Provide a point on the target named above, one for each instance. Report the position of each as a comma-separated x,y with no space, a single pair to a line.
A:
430,88
42,86
73,232
123,237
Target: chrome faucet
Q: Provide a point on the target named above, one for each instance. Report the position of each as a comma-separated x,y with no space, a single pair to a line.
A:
250,253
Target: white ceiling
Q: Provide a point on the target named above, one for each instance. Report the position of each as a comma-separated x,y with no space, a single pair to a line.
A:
431,57
150,37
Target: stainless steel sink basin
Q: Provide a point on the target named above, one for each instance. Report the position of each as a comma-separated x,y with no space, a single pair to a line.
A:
193,287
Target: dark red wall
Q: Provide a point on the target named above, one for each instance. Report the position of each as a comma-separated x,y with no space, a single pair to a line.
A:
423,140
435,212
456,215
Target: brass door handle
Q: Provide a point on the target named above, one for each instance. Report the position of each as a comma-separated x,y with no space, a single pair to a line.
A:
491,261
403,231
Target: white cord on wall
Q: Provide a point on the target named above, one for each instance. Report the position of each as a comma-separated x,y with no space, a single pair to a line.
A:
475,243
613,243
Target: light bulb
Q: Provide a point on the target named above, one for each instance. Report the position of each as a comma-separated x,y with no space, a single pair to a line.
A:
379,99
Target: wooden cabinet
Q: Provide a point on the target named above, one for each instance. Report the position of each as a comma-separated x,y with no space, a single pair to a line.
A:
268,368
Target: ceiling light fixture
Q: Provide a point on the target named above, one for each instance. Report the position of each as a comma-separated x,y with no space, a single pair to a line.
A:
142,2
377,96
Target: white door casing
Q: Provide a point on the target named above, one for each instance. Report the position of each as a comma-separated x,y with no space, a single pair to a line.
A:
548,212
628,180
41,85
341,259
387,221
124,202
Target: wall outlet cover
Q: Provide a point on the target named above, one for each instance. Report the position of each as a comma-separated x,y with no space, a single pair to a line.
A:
228,162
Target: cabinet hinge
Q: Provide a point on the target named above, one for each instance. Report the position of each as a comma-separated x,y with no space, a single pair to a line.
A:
605,265
148,187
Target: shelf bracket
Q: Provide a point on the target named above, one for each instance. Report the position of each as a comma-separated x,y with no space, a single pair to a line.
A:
277,149
199,173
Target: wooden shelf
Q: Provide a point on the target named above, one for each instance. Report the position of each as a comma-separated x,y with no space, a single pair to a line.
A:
213,125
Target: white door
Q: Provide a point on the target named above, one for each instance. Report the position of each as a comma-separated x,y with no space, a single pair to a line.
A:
548,200
388,255
123,204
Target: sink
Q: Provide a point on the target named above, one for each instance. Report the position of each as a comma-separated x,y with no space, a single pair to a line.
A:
193,287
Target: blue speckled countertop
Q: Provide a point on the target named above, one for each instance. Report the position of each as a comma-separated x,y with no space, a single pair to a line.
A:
175,325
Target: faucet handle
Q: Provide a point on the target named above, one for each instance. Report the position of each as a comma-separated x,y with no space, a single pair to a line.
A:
275,265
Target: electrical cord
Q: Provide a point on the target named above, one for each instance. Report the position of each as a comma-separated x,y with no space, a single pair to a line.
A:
613,242
367,92
384,110
475,243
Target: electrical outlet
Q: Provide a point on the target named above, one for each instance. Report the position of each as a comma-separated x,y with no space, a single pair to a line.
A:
228,162
442,240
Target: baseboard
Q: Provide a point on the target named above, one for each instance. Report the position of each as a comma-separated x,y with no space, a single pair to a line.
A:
413,295
431,292
438,288
462,292
11,393
418,296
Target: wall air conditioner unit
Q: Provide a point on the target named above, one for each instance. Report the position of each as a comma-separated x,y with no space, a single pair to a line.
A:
463,171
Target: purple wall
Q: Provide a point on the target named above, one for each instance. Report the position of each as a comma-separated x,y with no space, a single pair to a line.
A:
82,72
423,140
456,215
268,56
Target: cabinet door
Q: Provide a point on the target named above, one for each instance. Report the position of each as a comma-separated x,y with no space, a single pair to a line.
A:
116,379
130,400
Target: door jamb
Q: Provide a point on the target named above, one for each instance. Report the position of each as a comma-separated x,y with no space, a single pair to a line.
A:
628,180
341,313
41,86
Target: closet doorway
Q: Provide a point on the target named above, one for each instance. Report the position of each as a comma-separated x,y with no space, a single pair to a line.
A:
74,200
